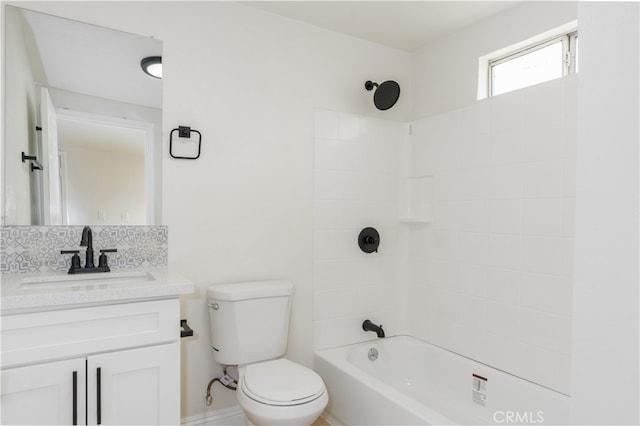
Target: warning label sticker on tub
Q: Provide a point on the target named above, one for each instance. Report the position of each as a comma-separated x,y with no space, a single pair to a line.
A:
479,394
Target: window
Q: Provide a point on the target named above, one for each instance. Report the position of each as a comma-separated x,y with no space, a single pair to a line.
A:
543,61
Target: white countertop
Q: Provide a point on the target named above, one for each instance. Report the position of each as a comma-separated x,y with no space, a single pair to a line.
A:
37,291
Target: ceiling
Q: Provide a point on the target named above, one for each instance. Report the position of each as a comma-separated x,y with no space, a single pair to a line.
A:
91,136
96,61
404,25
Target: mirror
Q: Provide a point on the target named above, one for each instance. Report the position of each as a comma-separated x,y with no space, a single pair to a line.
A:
76,98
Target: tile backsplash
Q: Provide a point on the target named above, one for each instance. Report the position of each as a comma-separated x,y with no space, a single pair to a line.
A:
37,248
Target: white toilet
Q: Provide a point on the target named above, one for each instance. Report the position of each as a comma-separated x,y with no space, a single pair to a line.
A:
250,328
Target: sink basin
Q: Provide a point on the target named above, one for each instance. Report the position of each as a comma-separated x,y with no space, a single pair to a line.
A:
97,278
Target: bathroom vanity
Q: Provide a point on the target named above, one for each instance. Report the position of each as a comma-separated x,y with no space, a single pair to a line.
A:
92,350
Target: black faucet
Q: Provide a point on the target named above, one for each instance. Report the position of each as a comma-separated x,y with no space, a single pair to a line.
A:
369,326
89,265
87,241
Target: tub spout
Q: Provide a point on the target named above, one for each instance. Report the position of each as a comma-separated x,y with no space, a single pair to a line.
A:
369,326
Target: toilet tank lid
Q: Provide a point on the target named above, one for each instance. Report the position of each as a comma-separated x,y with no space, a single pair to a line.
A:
249,290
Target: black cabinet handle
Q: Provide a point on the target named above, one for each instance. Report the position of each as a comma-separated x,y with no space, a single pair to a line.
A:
99,396
75,398
186,330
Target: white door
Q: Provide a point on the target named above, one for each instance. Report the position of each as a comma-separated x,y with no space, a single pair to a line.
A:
135,387
52,211
43,394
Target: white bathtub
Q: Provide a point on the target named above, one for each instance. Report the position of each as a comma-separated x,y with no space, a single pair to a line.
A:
413,382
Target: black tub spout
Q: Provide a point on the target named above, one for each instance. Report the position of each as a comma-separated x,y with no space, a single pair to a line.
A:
369,326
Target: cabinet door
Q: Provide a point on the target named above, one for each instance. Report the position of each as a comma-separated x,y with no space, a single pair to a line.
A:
51,393
135,387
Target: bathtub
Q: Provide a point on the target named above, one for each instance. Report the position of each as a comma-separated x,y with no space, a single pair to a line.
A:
402,380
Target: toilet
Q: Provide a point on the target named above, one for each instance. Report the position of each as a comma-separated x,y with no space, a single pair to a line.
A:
250,329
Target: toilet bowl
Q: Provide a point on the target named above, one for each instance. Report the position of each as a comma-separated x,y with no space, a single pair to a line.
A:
249,328
280,392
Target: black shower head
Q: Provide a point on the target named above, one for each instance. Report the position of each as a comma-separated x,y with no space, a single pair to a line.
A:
386,94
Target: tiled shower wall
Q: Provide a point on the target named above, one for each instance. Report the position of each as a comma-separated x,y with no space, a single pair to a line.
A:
357,162
37,248
491,276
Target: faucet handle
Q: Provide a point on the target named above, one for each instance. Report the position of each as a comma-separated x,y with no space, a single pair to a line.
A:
102,260
75,259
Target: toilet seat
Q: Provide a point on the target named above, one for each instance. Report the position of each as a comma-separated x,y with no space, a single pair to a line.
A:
281,382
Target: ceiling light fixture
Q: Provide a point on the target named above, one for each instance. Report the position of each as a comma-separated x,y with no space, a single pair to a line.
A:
152,65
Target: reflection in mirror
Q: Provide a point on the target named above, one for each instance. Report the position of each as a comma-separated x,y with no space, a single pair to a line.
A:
76,97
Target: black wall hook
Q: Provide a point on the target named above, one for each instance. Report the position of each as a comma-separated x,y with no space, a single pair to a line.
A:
369,240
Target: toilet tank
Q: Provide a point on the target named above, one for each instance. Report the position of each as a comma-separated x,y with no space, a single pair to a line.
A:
249,320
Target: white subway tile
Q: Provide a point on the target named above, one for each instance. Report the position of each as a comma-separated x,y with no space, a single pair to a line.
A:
503,319
422,156
543,141
505,182
472,312
443,305
543,216
351,272
349,127
544,102
548,255
474,150
420,243
377,187
340,331
570,177
505,111
445,215
475,119
547,331
505,251
543,179
348,301
472,280
447,186
502,285
337,185
325,214
550,293
447,154
505,216
571,96
473,248
332,244
506,146
327,124
570,137
569,217
442,245
472,184
473,215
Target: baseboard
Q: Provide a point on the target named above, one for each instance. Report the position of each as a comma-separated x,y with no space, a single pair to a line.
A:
230,416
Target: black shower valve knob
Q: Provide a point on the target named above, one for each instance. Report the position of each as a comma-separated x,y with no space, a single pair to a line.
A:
369,240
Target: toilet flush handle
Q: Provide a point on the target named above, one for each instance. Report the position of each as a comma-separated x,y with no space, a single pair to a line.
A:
214,306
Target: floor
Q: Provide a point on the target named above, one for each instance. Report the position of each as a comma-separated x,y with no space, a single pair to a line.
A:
321,422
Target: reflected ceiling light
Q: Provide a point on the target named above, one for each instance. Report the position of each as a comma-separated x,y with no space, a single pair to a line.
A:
152,65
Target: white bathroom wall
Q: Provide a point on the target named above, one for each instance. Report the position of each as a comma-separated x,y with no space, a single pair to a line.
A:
19,120
96,194
357,164
605,367
250,82
491,276
445,72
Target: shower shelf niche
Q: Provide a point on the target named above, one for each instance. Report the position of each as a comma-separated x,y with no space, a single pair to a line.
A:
416,200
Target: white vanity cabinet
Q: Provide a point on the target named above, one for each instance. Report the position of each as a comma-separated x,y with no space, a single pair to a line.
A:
108,364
